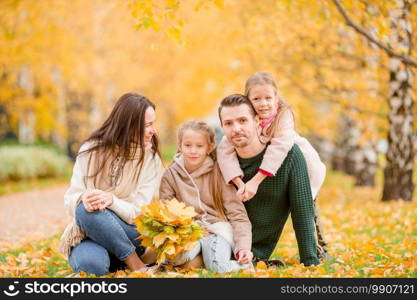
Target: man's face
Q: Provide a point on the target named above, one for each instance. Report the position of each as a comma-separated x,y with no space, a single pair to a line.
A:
239,125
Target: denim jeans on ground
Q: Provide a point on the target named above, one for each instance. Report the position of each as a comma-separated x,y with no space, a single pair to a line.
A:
109,241
217,254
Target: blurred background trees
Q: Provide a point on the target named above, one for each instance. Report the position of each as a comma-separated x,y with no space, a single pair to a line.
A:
63,64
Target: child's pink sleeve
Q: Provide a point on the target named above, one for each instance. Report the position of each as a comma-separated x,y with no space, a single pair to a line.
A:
281,143
228,162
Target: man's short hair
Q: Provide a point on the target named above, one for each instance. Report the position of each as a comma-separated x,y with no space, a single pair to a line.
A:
236,100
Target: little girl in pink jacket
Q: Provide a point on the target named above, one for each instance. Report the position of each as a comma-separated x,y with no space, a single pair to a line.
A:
277,127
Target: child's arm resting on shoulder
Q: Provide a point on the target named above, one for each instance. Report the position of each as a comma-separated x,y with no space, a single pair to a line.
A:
228,163
251,187
281,143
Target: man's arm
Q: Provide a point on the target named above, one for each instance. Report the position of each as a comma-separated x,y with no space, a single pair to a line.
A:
301,208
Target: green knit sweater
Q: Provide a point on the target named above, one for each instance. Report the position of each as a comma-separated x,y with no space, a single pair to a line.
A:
287,192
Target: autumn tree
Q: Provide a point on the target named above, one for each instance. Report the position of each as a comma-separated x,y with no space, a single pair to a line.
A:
314,74
398,172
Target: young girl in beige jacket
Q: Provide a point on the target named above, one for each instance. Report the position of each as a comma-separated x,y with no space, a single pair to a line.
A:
276,127
195,179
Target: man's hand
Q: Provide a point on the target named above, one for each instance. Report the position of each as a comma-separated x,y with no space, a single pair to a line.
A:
244,256
98,199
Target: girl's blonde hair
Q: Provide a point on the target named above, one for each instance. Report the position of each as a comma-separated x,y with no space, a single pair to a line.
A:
216,178
264,78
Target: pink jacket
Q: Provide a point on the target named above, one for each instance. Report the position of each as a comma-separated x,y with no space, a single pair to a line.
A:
282,141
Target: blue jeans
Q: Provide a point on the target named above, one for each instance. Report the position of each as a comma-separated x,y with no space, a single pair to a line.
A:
109,242
217,254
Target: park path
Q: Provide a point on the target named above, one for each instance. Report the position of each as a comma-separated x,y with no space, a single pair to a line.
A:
31,215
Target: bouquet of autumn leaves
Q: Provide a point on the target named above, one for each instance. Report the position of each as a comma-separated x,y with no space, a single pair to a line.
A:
168,228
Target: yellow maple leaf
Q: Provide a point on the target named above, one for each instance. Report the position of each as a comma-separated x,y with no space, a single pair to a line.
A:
261,266
170,248
180,210
162,237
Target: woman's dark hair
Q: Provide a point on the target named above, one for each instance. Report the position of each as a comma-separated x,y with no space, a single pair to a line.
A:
121,134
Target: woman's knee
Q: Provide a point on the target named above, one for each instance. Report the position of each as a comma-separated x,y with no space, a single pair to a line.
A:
90,261
92,266
85,218
81,213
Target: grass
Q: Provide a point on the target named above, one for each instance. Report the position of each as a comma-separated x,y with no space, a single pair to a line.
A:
20,185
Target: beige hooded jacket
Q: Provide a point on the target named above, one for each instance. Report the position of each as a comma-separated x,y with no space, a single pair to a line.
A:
195,190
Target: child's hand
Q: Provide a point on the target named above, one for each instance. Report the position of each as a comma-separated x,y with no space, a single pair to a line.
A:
241,193
251,187
244,256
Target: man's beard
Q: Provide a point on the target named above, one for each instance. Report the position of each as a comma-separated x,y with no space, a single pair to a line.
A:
242,143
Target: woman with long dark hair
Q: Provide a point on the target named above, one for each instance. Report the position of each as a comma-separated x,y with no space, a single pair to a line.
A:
117,171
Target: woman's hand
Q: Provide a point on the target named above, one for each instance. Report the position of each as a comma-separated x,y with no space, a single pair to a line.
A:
98,199
86,204
244,256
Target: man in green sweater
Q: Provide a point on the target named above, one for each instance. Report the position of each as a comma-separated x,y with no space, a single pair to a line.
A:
277,196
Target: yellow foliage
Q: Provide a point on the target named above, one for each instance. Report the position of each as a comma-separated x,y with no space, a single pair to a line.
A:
169,228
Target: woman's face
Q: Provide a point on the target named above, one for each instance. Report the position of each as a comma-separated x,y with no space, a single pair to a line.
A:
264,99
194,147
149,131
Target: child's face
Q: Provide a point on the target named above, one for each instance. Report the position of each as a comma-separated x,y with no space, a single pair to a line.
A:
194,147
264,99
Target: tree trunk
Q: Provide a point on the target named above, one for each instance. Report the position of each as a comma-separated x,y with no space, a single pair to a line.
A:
324,147
364,157
345,144
365,161
59,135
398,173
27,118
78,113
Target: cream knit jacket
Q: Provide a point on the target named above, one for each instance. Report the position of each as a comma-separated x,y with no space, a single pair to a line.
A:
127,208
